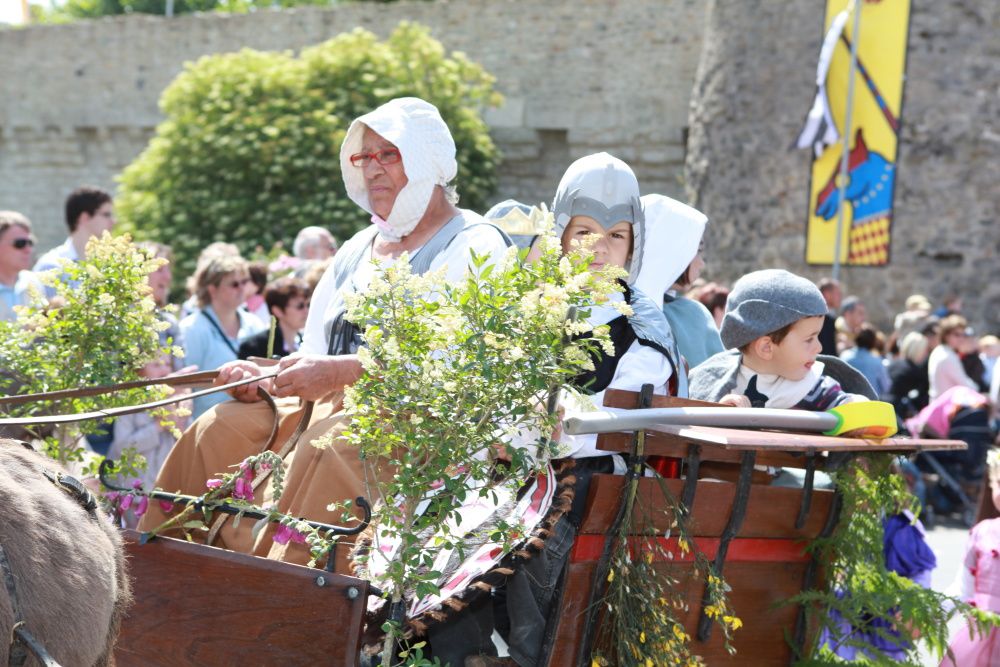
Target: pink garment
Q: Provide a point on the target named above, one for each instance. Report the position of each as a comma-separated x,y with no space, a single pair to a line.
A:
982,561
936,418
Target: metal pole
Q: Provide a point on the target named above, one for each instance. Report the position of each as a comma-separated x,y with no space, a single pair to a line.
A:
170,8
846,149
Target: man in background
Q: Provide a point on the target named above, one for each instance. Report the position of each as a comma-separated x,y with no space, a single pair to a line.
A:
16,247
89,212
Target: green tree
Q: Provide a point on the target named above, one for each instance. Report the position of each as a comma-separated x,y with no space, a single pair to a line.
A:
72,10
249,150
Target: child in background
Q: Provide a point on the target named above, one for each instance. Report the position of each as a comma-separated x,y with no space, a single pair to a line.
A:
978,583
144,433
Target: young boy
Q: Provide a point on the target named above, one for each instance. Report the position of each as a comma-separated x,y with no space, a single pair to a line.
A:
771,329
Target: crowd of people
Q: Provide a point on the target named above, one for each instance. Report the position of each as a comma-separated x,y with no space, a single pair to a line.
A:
755,345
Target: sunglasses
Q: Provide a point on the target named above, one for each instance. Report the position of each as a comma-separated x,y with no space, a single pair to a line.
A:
301,305
383,157
236,284
21,244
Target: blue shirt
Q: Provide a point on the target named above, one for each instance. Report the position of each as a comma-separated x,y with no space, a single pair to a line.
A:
17,294
870,366
208,348
694,329
54,259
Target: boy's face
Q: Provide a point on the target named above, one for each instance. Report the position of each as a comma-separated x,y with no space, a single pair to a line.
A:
613,246
796,353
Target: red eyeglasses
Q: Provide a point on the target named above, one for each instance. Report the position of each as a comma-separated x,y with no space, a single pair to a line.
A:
383,157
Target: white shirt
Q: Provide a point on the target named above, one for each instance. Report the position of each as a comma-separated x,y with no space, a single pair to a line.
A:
484,239
945,370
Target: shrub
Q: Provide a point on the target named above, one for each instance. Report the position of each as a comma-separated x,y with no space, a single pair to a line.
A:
249,150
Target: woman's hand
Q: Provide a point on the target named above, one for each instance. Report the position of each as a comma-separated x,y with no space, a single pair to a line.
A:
314,376
238,370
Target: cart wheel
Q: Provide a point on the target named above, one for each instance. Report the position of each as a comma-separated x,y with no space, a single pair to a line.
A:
969,517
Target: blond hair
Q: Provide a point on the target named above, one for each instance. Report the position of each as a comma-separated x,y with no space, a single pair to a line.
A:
212,272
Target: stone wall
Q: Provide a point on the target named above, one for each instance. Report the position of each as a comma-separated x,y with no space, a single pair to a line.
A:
748,105
78,102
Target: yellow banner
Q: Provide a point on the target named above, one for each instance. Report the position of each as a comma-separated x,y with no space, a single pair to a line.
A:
873,137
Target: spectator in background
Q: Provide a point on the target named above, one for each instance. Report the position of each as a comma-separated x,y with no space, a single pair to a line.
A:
17,283
853,315
862,357
908,381
255,304
713,296
972,363
989,350
314,244
210,252
952,306
315,272
832,294
89,212
160,282
212,335
288,301
944,367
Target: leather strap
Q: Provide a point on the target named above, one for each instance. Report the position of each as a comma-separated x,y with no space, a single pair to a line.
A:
199,377
129,409
258,481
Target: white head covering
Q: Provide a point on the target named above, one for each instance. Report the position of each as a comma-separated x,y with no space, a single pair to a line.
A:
428,152
673,234
604,188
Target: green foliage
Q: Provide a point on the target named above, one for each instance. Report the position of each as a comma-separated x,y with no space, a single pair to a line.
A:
72,10
454,384
249,150
646,595
862,589
100,328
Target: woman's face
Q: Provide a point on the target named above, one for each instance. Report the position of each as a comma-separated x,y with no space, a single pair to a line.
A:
957,340
383,181
613,247
230,293
294,314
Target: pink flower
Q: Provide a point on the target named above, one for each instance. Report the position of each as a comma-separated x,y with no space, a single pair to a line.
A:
126,502
137,484
213,483
112,497
166,506
142,505
243,490
284,534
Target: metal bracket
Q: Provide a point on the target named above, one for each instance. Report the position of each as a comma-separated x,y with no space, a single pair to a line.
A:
807,491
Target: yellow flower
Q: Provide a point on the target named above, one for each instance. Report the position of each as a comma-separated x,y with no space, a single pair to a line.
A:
611,576
642,637
680,634
649,662
649,557
712,611
683,544
732,621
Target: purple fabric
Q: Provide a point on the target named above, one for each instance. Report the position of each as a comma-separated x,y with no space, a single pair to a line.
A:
905,550
908,555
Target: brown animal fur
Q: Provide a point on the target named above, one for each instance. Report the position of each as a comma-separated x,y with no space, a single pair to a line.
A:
69,567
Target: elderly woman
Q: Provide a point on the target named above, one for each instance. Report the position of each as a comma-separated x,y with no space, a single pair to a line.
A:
908,383
398,162
212,335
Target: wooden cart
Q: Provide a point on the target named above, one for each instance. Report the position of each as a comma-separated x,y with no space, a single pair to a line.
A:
206,606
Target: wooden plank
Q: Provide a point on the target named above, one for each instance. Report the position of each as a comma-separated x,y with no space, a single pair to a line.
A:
199,605
672,445
771,510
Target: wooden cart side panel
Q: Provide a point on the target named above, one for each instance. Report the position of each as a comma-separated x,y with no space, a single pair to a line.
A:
771,510
199,605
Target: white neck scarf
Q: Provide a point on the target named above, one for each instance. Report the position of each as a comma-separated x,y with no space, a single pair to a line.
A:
779,392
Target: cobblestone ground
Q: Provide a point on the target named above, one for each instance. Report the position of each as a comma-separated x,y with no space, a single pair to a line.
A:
948,541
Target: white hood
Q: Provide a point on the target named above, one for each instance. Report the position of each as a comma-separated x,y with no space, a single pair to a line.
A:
673,234
428,153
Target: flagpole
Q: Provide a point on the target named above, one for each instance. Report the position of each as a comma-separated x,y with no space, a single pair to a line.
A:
846,149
